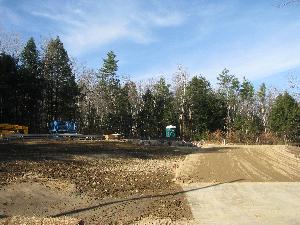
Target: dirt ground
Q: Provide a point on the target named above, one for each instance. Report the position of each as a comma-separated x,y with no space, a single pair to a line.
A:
246,185
245,203
98,182
241,163
119,183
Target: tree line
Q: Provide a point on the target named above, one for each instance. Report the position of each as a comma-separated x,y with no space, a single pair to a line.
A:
39,86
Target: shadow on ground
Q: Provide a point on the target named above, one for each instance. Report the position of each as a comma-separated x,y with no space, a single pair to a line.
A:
139,198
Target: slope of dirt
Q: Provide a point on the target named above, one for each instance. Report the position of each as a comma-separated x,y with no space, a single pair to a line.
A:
240,163
99,182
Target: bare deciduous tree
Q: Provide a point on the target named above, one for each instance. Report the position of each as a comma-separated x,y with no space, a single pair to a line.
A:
10,43
181,78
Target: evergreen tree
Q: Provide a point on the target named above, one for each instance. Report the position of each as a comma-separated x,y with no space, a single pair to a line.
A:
124,114
207,109
164,112
284,118
32,86
246,92
110,93
108,72
147,127
61,92
9,90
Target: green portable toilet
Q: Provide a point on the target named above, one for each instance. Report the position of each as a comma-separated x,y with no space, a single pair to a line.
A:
170,131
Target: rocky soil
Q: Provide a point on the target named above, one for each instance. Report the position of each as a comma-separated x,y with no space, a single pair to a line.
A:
98,182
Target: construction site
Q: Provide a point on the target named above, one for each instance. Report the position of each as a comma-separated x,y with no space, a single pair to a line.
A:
51,181
149,112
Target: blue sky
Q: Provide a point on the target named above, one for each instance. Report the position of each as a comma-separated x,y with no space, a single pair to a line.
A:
255,39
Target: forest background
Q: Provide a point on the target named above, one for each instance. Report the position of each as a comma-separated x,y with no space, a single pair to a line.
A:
38,85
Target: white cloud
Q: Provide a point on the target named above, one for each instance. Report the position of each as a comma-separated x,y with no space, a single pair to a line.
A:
264,58
87,38
67,19
215,34
96,24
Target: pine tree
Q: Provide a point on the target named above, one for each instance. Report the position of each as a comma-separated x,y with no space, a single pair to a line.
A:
61,89
125,112
32,86
108,72
147,127
284,118
110,91
164,112
9,91
207,109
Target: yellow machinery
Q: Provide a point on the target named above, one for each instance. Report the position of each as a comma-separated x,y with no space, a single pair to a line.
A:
7,129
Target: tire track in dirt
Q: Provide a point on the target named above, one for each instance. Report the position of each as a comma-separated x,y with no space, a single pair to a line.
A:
273,161
249,163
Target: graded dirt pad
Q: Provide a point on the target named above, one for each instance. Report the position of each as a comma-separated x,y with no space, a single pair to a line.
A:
247,163
244,203
242,184
98,182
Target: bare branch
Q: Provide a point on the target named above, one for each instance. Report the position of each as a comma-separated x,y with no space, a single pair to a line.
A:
284,3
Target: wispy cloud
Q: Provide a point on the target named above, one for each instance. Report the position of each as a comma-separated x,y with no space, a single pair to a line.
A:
152,37
92,26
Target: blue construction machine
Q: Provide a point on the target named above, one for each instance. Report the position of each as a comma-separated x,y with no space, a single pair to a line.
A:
62,127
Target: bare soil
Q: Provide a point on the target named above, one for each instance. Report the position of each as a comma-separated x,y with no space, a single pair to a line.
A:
242,185
59,182
245,203
98,182
241,163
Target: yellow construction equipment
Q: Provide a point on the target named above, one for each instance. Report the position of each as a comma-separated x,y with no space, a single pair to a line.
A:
8,129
